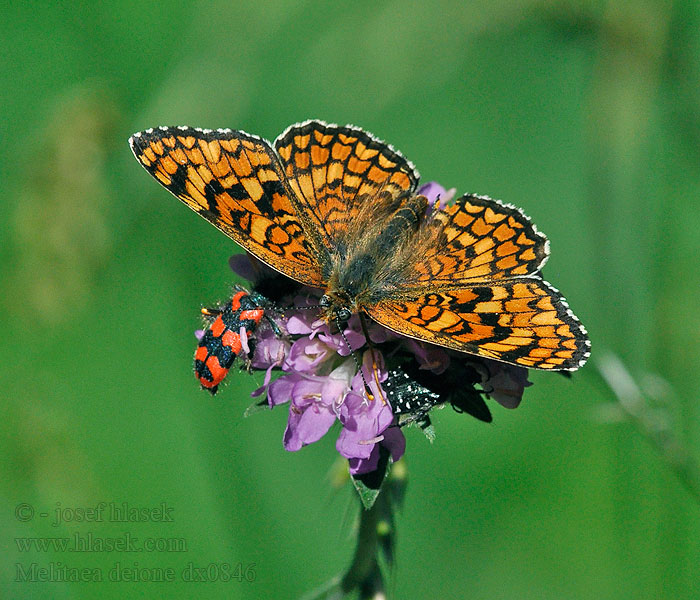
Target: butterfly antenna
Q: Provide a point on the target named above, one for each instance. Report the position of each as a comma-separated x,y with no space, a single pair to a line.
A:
368,391
273,324
309,307
282,310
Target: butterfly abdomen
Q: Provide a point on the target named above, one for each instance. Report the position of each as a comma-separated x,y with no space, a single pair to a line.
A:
221,342
401,226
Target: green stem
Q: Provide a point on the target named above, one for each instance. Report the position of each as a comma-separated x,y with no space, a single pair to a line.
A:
375,537
374,551
651,423
364,572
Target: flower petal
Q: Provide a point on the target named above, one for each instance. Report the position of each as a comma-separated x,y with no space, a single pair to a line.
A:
280,390
504,383
360,466
395,442
306,426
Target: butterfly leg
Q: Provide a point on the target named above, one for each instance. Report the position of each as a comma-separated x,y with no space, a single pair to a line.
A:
375,370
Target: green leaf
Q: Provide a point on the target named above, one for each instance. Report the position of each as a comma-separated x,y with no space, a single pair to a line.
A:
368,485
429,431
256,407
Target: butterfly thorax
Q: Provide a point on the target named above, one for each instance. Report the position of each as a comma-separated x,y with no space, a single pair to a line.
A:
356,279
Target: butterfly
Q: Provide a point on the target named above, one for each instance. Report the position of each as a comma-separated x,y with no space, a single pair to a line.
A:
335,208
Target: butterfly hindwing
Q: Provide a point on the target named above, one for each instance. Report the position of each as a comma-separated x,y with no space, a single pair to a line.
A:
520,321
234,180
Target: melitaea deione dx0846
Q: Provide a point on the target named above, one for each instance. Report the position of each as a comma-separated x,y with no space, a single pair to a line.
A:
335,208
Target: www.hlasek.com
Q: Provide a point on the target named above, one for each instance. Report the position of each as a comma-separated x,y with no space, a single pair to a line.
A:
88,542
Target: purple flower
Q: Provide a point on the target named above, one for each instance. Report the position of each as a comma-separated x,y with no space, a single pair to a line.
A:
367,420
250,268
315,404
270,352
320,380
320,389
394,441
503,382
433,191
429,357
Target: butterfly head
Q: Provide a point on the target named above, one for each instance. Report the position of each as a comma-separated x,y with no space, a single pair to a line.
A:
336,308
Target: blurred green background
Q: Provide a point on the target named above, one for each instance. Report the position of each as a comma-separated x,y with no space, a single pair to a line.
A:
585,114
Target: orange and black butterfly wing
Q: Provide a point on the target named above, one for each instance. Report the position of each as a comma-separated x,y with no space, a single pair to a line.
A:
524,322
343,178
475,239
470,282
235,181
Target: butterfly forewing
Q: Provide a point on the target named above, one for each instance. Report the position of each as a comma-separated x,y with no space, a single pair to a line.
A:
524,322
235,181
343,177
